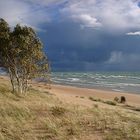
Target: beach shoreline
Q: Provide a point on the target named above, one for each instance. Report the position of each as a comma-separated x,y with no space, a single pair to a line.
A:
128,82
98,88
68,93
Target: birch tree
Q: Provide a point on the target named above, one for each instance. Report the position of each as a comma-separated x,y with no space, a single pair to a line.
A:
22,56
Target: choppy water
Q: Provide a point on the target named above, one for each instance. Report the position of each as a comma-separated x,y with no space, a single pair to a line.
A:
116,81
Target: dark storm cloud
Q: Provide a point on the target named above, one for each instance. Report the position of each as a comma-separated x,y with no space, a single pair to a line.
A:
71,48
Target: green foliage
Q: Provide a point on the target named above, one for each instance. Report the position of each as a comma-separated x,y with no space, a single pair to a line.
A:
4,42
110,103
134,108
137,109
102,101
21,54
94,99
82,97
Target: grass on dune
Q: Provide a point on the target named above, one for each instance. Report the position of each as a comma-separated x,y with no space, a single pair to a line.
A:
114,103
41,116
102,101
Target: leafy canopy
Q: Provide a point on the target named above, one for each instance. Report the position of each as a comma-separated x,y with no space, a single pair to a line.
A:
22,56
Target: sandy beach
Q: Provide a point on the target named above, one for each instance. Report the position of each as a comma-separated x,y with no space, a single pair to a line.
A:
71,94
76,95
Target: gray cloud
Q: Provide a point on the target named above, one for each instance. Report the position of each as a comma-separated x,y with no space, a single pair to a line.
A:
116,57
33,13
70,48
123,61
133,33
45,2
111,14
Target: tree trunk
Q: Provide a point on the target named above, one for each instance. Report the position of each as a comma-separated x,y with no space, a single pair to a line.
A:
12,81
19,82
26,85
20,88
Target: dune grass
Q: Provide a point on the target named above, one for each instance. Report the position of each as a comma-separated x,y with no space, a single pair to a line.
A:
41,116
102,101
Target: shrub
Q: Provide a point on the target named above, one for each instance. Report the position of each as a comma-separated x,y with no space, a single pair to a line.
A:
82,97
122,99
110,103
93,99
116,99
136,109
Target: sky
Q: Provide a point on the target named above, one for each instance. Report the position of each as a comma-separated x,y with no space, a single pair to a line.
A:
82,35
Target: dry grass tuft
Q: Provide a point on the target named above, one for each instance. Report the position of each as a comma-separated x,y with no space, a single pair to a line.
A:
58,111
110,103
102,101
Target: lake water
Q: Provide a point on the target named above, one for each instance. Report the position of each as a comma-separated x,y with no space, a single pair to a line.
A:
115,81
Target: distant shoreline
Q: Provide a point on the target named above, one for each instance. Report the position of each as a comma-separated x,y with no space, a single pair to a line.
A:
128,82
98,88
68,92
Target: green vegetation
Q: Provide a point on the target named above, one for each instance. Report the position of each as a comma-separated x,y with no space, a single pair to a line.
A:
114,103
132,107
102,101
22,56
82,97
41,116
121,99
110,102
94,99
136,109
